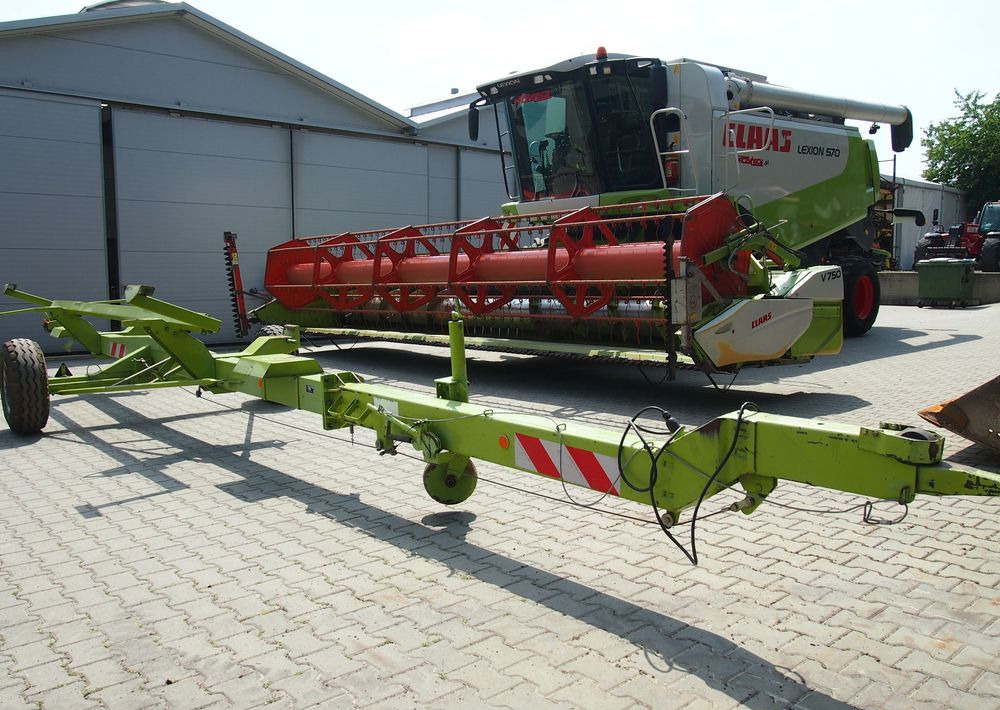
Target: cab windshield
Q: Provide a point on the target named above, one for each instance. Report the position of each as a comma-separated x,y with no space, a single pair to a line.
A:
989,221
573,138
551,127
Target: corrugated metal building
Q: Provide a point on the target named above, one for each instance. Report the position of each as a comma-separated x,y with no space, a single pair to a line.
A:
133,137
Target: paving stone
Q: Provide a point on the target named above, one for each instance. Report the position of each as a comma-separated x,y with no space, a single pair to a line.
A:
314,574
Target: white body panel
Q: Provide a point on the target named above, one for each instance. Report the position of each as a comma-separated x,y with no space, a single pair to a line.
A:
820,283
560,203
756,330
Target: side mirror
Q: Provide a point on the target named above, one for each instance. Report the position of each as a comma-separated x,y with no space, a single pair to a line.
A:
474,121
904,214
658,87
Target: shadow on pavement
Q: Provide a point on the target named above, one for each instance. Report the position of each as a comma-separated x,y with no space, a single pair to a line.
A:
621,389
669,643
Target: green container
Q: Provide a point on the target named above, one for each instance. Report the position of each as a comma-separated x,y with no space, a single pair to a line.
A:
945,282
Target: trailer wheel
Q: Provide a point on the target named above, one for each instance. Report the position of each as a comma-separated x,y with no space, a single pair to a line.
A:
989,257
861,295
446,486
24,386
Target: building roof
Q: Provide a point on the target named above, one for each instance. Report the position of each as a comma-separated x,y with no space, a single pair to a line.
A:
96,17
927,184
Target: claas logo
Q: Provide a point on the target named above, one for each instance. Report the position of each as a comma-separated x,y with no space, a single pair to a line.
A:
748,137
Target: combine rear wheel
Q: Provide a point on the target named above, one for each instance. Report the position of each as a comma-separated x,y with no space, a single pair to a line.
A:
861,295
24,386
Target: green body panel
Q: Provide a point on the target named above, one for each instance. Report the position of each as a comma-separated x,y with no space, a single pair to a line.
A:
605,199
828,206
618,198
825,335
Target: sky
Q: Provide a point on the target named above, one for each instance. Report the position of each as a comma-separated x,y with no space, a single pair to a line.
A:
402,54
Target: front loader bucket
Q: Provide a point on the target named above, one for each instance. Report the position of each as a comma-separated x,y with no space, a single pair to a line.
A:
975,415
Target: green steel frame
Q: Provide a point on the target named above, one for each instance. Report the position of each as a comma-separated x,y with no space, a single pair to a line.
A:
675,471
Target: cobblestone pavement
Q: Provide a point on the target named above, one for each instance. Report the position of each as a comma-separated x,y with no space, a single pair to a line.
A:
158,550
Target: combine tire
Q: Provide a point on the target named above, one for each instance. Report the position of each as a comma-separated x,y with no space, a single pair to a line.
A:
989,257
270,330
861,295
24,386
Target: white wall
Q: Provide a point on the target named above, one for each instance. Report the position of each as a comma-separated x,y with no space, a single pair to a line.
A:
926,197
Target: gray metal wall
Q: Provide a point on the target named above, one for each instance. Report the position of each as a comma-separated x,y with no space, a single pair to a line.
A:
347,183
52,239
181,183
181,180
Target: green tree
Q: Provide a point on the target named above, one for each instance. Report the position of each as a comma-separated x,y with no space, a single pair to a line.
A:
965,151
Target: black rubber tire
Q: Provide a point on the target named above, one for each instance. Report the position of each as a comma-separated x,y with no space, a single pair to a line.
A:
448,488
270,330
24,386
861,295
920,250
989,257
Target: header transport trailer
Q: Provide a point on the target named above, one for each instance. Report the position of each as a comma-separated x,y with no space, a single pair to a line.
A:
654,461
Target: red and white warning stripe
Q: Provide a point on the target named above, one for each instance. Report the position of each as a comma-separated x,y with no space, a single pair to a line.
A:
579,466
118,350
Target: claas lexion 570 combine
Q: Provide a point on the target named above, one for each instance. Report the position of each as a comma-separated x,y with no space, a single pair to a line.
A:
667,212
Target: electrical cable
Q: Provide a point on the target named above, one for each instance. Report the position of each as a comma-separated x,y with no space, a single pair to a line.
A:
704,491
672,429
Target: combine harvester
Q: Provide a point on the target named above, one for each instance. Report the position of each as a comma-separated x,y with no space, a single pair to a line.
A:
671,212
669,468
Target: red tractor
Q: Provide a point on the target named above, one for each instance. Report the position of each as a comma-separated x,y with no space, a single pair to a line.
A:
978,240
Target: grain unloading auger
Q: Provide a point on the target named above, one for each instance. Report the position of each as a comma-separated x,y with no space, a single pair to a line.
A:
680,280
671,469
